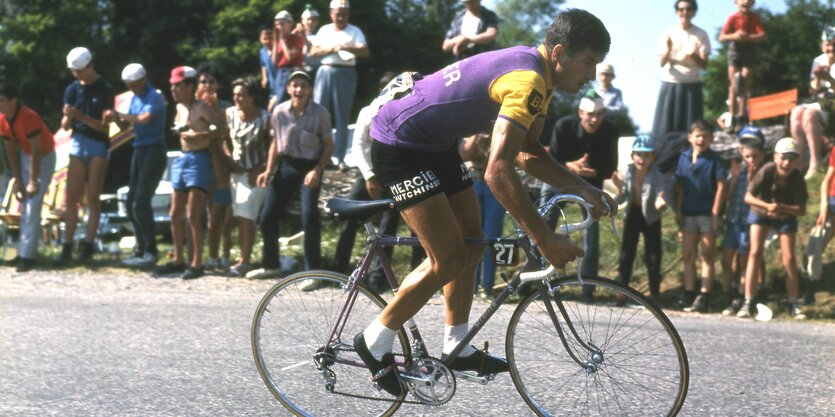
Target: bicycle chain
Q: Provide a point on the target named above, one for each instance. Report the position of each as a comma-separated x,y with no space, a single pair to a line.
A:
363,397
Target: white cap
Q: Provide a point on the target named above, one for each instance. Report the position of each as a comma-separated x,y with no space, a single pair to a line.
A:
284,15
607,69
340,4
308,13
786,145
79,58
591,105
133,72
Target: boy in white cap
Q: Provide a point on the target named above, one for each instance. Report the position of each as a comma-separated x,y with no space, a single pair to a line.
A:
86,102
147,114
777,196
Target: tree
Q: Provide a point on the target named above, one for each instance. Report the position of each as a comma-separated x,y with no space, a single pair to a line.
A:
524,22
783,61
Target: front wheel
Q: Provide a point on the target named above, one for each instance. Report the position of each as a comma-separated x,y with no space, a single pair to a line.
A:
631,360
308,375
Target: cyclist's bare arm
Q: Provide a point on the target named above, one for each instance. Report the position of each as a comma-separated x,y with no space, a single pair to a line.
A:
500,175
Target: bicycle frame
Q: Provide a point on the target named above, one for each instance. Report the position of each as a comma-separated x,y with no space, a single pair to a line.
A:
534,261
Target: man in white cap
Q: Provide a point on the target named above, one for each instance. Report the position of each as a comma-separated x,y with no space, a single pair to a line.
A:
777,195
85,102
147,114
587,144
197,125
339,44
287,54
612,97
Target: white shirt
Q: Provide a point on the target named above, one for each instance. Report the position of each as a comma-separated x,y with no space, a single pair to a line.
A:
823,60
684,42
328,37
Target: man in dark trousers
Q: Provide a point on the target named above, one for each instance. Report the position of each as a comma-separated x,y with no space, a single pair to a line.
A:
587,144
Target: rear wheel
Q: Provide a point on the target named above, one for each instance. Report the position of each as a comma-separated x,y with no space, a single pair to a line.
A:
636,364
289,332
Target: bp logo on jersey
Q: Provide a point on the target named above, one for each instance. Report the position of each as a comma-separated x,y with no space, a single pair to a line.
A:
535,101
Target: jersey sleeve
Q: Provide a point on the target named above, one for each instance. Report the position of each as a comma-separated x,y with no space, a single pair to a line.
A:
522,97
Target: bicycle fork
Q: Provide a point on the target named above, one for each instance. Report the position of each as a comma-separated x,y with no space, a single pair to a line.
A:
595,355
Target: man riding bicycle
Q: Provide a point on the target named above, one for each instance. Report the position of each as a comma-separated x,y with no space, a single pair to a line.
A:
415,157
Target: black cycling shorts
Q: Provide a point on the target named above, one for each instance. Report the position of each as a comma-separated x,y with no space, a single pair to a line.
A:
413,176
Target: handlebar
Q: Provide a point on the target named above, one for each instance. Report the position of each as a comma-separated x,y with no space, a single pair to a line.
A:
566,228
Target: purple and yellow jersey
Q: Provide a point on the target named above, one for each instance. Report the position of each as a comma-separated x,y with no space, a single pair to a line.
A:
466,97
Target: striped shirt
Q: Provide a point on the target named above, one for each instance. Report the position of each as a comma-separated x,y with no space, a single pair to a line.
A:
250,138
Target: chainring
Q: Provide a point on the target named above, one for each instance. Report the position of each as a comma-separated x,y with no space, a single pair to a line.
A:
437,382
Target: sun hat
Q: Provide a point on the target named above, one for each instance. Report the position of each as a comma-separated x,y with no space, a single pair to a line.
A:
607,69
79,58
133,72
643,143
340,4
591,102
786,145
828,34
309,12
179,74
284,15
301,74
752,136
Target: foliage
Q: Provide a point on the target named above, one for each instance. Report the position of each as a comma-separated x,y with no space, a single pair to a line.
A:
783,61
524,22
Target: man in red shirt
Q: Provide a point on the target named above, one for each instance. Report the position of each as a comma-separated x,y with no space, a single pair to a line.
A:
287,53
30,149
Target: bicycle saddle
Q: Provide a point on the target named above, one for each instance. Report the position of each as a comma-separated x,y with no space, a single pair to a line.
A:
346,209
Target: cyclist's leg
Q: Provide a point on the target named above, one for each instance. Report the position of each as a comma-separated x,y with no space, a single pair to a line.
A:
458,293
431,220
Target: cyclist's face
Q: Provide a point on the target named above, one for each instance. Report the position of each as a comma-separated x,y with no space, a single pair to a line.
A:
573,71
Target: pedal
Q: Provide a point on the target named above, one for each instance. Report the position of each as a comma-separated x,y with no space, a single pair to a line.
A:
472,377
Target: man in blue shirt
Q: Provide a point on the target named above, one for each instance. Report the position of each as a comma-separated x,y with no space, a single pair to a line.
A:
147,114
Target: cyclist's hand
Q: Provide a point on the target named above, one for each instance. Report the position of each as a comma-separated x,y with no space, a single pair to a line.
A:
603,204
558,250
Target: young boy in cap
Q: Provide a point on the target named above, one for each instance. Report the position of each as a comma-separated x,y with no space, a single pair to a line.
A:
735,244
777,196
643,192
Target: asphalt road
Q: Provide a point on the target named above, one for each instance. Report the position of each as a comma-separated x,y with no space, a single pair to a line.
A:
120,344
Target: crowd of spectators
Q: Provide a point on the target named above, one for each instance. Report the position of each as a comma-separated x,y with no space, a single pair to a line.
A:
243,162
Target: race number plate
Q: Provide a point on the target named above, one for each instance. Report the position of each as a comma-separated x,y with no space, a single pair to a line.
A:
505,254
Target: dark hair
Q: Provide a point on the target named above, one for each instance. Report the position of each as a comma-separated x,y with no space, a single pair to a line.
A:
692,4
210,69
252,88
265,28
8,90
702,124
577,30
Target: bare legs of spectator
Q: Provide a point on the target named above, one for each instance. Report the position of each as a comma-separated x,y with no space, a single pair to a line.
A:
807,129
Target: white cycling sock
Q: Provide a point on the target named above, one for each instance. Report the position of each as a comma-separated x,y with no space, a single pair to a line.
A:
453,335
379,338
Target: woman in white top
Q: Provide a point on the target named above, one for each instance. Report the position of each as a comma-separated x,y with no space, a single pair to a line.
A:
809,121
683,50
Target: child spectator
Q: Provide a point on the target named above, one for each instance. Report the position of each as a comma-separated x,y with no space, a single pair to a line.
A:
743,30
777,196
700,184
266,61
643,192
735,244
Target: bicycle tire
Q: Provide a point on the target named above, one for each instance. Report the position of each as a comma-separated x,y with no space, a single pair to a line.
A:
644,369
288,328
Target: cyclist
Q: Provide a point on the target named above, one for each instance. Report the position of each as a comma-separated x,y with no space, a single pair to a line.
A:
415,155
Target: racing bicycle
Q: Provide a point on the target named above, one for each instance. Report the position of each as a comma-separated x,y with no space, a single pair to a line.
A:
617,353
